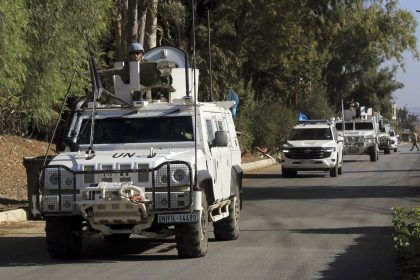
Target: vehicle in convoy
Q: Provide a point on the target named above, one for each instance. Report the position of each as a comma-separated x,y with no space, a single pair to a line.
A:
312,146
385,141
164,166
394,140
360,132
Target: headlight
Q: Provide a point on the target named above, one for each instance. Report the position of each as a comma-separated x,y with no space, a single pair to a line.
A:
57,177
178,175
54,179
330,149
369,139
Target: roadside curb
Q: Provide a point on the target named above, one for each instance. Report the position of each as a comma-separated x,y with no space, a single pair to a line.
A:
258,164
13,216
20,215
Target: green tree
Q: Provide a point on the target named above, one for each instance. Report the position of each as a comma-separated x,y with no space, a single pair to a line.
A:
56,47
13,68
369,33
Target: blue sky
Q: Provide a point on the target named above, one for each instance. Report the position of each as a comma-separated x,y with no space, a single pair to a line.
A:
409,96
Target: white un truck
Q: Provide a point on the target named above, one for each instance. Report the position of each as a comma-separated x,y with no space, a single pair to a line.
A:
360,131
147,160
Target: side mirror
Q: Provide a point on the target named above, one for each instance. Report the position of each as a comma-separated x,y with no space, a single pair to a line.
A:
74,147
340,139
220,139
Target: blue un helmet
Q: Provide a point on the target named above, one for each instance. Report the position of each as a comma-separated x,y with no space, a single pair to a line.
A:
135,47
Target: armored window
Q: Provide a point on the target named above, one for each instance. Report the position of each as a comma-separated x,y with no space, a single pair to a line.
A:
210,132
138,130
220,125
347,126
363,126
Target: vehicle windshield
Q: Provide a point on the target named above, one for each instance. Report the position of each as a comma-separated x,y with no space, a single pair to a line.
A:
363,125
347,126
137,130
311,134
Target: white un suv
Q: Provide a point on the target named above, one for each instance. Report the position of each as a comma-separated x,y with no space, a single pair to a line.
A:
313,145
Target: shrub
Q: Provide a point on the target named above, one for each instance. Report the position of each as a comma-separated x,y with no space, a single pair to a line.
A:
407,239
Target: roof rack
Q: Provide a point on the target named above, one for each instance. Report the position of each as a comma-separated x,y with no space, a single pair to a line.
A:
325,121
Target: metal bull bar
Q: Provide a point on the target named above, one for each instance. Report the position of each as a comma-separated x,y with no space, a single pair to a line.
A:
166,188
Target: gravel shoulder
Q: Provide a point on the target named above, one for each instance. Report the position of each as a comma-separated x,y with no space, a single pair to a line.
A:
13,149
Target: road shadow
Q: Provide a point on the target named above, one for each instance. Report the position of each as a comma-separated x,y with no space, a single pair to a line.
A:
371,256
306,174
32,251
10,204
255,193
261,176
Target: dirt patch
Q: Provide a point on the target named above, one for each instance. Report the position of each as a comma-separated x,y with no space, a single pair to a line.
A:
13,149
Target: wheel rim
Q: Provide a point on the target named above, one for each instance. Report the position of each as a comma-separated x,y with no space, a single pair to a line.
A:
237,210
203,223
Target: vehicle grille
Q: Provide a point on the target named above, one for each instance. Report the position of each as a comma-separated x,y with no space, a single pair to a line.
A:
354,139
384,140
308,153
170,188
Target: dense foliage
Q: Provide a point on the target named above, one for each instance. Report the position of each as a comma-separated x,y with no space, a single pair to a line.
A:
407,240
281,57
405,119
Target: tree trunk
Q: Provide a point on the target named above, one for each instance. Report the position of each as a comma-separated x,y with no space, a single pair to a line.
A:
132,22
142,8
151,26
120,32
240,26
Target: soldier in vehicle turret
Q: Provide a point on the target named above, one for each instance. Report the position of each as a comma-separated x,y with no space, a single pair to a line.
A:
135,53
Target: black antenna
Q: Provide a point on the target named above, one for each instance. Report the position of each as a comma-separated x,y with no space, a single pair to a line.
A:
210,65
195,96
59,118
97,91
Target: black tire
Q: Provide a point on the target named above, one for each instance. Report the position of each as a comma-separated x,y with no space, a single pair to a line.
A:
340,170
334,171
116,238
192,239
62,238
373,155
285,173
395,150
387,151
228,228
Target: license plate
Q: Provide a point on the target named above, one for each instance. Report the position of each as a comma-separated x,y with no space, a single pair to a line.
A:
177,218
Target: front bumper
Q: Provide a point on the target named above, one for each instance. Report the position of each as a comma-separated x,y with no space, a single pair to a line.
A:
357,149
320,161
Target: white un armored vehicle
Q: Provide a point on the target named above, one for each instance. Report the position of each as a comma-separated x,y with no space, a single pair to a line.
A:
147,160
360,131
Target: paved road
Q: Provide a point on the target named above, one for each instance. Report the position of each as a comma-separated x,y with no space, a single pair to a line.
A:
310,227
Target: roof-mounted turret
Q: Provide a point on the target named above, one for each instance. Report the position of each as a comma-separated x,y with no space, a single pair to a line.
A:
164,74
